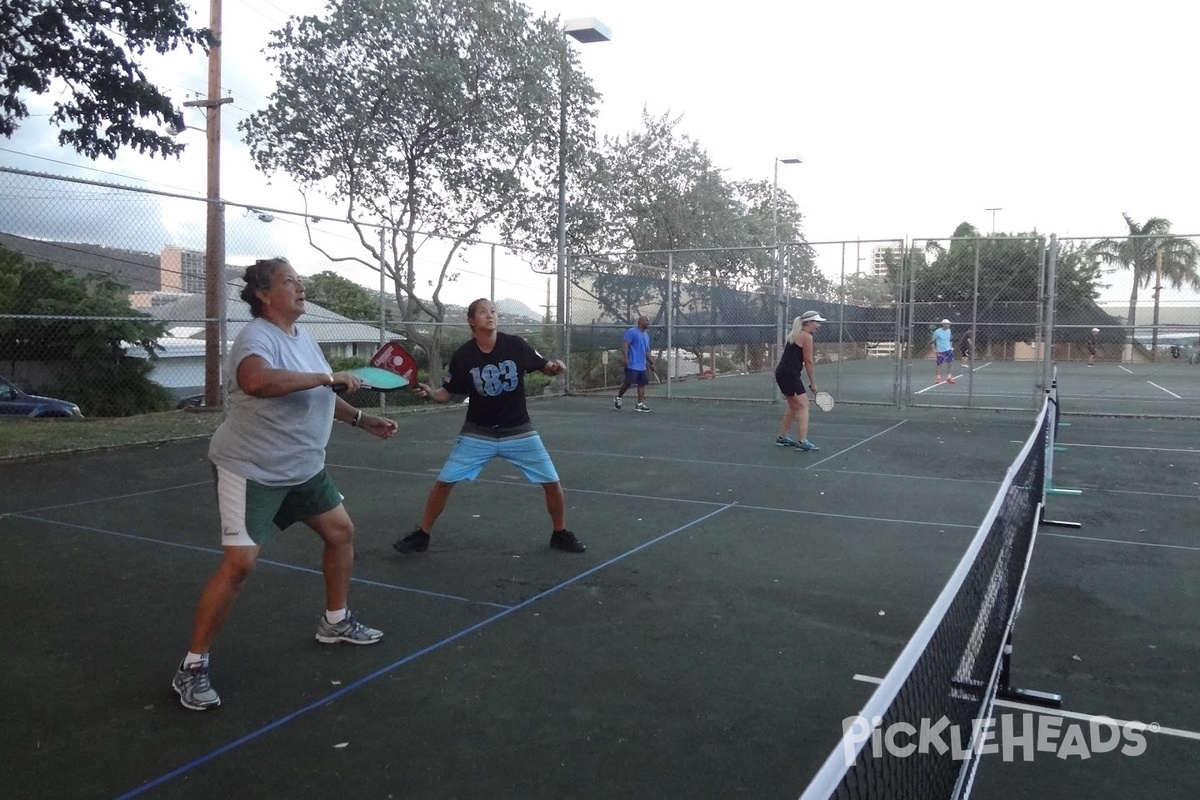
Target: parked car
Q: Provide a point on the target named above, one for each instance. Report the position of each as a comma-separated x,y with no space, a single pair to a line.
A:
191,401
16,403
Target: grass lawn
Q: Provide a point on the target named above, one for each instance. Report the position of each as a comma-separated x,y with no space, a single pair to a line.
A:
30,438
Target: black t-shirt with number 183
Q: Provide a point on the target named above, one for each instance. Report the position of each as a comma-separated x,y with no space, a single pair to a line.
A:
494,383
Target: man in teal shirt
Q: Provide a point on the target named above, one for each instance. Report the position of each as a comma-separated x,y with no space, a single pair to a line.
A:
944,347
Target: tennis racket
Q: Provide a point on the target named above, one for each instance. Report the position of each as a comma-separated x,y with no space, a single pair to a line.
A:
391,368
394,358
376,380
824,401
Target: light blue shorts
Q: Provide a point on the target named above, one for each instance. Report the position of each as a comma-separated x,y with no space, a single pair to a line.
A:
472,453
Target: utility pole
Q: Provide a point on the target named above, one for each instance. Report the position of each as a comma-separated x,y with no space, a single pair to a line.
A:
214,236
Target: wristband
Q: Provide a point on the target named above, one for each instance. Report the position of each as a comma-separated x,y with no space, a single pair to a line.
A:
357,419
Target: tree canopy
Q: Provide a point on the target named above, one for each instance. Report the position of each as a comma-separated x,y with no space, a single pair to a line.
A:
88,53
433,118
656,190
341,295
1149,244
83,325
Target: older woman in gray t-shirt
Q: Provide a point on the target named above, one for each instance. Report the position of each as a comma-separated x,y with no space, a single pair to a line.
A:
269,459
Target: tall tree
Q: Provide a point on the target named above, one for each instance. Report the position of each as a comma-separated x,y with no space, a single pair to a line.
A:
1139,252
655,190
434,118
1010,281
88,53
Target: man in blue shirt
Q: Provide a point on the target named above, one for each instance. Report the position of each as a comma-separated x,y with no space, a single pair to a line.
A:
636,346
944,347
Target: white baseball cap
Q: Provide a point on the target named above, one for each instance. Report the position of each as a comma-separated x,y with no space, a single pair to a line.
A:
811,316
945,322
1095,330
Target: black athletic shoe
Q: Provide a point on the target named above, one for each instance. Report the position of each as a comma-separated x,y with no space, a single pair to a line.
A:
565,540
415,542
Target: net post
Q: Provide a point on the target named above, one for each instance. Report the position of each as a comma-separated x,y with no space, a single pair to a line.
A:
1006,691
1051,448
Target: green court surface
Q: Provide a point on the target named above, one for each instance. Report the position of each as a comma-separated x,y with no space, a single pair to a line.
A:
734,603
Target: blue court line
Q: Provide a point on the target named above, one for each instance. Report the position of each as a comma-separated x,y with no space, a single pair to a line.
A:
106,499
280,564
851,447
329,698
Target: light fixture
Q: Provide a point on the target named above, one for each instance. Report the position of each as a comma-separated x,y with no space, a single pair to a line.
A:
585,30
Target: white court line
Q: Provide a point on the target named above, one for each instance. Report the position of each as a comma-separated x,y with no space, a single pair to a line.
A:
1143,494
1126,369
1168,391
1130,447
1119,541
851,447
1151,727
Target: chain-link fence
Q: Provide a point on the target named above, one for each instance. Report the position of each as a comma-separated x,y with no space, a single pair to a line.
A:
1015,306
104,301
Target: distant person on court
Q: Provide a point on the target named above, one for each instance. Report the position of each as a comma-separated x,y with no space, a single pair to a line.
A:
636,347
1091,346
942,338
269,462
797,358
490,369
966,349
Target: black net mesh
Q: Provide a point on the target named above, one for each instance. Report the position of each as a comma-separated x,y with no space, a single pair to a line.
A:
951,683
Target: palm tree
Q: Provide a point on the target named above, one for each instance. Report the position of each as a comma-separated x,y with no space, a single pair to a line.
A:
1140,252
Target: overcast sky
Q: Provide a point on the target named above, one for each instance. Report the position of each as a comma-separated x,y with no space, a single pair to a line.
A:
910,117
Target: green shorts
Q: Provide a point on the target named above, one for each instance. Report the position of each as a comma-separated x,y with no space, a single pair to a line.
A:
251,512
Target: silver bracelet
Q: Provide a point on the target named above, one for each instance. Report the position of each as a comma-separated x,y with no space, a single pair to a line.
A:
357,419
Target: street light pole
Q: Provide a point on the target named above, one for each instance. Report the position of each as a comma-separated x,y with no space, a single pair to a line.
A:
780,296
993,210
585,31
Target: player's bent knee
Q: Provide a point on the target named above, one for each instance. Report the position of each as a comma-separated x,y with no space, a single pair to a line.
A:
238,564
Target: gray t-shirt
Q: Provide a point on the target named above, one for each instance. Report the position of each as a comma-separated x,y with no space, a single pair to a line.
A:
277,441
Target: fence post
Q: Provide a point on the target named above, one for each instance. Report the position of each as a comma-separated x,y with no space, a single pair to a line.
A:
974,324
383,305
670,316
1051,299
568,260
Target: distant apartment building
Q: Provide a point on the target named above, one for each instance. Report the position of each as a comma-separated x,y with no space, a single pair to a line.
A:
882,257
181,270
180,273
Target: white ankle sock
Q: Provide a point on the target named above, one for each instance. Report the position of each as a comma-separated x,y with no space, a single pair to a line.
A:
335,616
192,658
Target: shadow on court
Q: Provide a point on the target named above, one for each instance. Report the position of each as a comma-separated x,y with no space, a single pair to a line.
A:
705,646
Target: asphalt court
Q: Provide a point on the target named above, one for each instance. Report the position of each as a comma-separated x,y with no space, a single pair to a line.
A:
705,645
